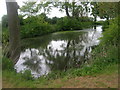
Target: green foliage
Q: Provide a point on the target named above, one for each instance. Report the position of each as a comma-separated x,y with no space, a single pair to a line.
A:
35,26
16,79
94,10
5,36
4,21
68,24
110,36
103,57
56,74
7,64
100,22
105,25
52,20
86,24
73,23
40,25
29,9
27,75
85,19
105,10
5,33
108,9
73,9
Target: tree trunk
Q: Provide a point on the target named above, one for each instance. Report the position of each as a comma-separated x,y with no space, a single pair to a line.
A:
95,19
73,10
107,18
66,9
14,32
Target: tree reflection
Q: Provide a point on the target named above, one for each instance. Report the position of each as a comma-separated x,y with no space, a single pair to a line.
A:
33,62
74,54
61,51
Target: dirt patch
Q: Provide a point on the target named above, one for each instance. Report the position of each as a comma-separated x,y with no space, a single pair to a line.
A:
6,83
101,81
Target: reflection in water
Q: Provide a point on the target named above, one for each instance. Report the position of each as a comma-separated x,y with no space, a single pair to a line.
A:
63,51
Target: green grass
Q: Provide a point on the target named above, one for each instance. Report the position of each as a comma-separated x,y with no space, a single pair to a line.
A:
68,31
18,81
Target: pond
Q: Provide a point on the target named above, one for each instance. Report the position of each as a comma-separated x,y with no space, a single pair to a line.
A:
57,51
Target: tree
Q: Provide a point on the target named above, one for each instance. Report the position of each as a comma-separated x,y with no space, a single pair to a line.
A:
105,10
45,6
95,12
32,8
29,9
73,9
14,32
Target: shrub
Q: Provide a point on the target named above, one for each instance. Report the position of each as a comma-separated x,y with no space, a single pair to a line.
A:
86,19
35,26
7,64
68,24
110,36
5,36
56,74
27,75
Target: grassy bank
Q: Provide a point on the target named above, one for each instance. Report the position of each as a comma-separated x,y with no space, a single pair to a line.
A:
106,79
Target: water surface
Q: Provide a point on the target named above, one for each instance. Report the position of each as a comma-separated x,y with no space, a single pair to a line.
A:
57,51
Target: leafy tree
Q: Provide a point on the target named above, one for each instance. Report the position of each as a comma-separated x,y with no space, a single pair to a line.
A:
32,8
54,20
108,9
5,21
68,24
95,12
43,15
29,9
73,9
111,34
105,10
45,6
35,26
21,19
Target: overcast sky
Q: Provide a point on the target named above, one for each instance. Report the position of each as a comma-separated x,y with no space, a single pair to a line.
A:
2,8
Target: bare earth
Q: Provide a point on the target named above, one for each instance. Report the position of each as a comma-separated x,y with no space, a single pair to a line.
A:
99,81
